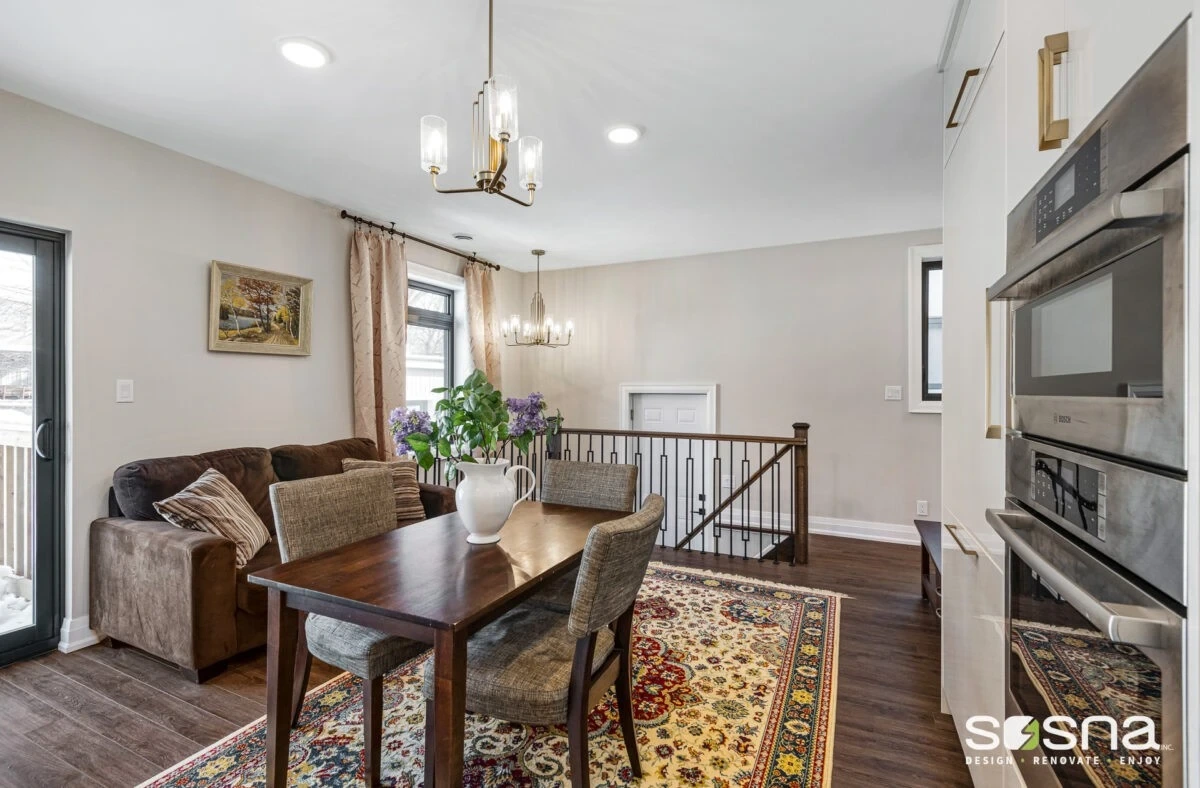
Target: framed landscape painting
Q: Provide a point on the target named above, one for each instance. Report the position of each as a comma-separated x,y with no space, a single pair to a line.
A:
255,311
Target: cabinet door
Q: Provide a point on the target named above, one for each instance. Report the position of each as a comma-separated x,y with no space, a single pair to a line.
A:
973,241
1109,40
968,64
1027,23
974,645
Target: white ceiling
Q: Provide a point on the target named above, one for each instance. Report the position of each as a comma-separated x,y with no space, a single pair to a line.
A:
767,121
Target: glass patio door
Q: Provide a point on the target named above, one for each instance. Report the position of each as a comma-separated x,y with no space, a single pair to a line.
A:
31,362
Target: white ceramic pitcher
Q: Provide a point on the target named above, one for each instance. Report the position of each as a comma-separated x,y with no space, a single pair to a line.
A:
485,497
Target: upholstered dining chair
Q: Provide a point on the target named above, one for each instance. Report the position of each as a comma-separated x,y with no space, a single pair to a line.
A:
319,514
592,484
538,666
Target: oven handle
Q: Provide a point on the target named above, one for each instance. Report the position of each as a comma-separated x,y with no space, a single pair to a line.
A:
1133,630
1147,204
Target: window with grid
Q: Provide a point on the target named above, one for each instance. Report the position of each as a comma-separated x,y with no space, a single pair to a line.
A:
429,360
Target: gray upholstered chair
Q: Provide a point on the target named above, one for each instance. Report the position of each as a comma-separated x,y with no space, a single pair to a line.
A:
539,666
315,515
592,484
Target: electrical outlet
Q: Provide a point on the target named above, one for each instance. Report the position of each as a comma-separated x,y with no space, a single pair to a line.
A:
922,508
726,482
124,391
893,393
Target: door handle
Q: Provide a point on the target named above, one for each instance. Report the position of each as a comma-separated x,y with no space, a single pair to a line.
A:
953,529
1051,130
37,439
991,431
951,123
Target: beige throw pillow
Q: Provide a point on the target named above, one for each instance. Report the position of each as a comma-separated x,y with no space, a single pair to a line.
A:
213,504
404,482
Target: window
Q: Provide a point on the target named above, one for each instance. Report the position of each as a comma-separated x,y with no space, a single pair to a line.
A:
931,330
429,357
925,329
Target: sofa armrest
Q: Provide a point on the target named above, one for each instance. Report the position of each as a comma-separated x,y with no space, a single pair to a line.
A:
437,500
169,591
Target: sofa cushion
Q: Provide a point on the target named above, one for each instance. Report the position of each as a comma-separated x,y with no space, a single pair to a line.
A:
138,485
213,504
404,484
295,461
250,597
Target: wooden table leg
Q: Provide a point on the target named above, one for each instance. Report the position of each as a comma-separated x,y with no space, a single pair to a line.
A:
282,625
449,707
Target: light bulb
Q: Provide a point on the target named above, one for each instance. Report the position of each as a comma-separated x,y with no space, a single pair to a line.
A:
501,93
570,328
434,150
529,152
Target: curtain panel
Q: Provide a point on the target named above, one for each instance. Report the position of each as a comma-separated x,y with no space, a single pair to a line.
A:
379,314
481,321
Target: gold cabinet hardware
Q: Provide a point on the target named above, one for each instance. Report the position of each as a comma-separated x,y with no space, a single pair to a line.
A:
1051,131
991,431
951,123
953,529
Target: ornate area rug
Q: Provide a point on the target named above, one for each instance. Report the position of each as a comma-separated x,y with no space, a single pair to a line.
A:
1081,673
735,686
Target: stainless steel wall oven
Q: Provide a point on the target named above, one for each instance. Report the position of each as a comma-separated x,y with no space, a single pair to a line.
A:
1094,518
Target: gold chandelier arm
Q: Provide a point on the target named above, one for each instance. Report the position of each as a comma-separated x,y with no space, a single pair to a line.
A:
519,201
439,190
492,186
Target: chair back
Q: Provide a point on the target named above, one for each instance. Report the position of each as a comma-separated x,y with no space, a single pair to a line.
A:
319,514
592,484
614,564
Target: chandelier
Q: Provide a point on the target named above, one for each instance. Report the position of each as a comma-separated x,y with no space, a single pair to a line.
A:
493,126
540,328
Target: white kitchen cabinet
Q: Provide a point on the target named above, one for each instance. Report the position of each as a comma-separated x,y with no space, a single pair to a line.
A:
967,67
1110,39
1027,23
974,643
973,248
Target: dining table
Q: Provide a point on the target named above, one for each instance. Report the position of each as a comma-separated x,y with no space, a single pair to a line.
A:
424,582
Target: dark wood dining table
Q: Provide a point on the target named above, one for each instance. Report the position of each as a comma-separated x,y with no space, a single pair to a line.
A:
423,582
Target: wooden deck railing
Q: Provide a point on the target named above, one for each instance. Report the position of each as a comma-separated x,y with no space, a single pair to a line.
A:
740,495
16,546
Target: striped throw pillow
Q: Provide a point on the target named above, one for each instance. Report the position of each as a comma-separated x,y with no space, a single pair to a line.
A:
213,504
404,482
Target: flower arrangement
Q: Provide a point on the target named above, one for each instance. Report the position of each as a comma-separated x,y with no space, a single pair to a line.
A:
472,423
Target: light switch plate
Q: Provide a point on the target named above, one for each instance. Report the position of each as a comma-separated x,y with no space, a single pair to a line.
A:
893,393
124,391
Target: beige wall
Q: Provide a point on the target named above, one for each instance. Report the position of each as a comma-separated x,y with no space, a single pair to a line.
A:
810,332
143,225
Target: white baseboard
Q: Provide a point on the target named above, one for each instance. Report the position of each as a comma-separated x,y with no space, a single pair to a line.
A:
864,529
76,634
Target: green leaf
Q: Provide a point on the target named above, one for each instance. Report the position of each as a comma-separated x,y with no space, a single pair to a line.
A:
425,460
444,447
418,440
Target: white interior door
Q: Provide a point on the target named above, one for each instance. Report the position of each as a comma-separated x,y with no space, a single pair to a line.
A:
669,412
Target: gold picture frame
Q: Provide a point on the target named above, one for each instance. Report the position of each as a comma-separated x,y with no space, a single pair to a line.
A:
255,311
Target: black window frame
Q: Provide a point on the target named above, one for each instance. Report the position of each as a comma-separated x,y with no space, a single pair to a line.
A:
933,264
428,318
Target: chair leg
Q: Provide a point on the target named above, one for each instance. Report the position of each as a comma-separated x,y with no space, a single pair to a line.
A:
372,728
429,744
577,711
300,685
624,690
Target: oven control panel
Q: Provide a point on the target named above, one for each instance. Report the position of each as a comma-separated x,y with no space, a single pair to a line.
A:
1076,184
1073,491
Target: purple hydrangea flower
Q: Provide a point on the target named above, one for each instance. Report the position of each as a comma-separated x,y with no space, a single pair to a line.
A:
526,415
405,422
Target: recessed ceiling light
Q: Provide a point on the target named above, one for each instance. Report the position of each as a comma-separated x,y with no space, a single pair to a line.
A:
624,135
304,52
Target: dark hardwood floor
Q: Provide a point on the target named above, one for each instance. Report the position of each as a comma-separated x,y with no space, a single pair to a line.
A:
116,717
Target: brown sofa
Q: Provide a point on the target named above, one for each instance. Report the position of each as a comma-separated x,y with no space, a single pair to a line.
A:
176,593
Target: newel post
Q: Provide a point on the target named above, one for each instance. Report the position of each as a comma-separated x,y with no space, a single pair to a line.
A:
800,495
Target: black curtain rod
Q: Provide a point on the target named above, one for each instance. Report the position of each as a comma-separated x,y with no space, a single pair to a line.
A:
409,237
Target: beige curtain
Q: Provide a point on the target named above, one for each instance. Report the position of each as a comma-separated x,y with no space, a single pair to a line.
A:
379,311
481,321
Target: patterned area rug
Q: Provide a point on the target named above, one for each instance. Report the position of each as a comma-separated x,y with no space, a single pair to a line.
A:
1081,673
735,686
